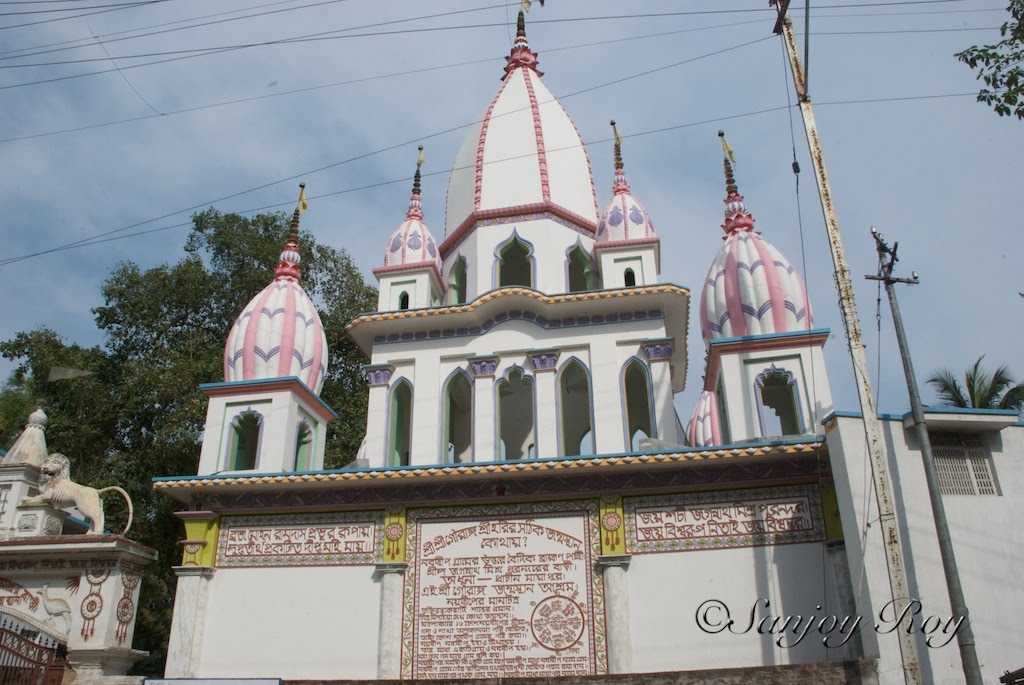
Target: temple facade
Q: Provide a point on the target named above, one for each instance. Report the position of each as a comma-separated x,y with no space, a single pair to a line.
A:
526,501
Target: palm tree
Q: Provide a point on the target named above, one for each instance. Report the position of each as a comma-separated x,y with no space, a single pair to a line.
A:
984,391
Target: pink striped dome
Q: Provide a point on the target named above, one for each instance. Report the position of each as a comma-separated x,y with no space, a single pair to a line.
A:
279,332
625,219
412,245
751,288
704,430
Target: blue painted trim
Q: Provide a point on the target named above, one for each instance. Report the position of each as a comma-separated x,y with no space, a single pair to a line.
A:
778,442
264,381
771,336
943,409
843,414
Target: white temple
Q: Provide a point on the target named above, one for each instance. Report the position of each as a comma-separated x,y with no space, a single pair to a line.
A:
526,502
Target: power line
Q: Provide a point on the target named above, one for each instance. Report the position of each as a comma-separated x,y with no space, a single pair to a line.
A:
326,35
334,84
418,139
108,236
83,14
76,9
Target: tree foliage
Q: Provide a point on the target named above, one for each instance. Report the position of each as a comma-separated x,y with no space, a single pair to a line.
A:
981,390
138,412
1001,65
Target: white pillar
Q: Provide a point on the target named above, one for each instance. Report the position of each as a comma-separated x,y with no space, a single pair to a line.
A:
484,446
546,402
616,606
378,377
389,635
659,359
186,642
606,374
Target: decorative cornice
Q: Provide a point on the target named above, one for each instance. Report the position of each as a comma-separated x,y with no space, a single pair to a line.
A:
483,367
532,210
545,360
659,350
290,383
632,242
806,446
378,374
429,265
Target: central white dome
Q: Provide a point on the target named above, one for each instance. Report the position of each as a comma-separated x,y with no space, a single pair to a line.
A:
525,151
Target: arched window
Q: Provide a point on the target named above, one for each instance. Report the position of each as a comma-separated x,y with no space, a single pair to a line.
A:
303,446
458,419
515,265
778,403
723,415
639,405
575,408
629,277
400,428
516,422
244,444
457,282
403,300
581,271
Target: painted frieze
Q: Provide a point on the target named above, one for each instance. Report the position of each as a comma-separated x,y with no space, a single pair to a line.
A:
333,539
712,520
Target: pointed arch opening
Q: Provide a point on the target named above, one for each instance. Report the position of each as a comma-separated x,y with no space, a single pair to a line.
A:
581,273
517,437
778,403
639,400
244,443
629,278
515,263
457,282
303,446
458,419
400,424
576,427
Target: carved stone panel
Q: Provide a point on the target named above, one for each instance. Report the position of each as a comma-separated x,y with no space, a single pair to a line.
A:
334,539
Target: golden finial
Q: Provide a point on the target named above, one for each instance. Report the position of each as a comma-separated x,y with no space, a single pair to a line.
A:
618,146
728,162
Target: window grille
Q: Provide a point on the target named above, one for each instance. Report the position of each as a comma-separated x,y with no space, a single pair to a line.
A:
963,465
5,491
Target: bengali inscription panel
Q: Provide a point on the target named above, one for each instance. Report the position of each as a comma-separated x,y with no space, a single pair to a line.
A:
737,518
299,539
503,592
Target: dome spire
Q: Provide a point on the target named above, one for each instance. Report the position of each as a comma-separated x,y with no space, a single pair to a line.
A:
288,262
620,185
737,218
415,207
521,55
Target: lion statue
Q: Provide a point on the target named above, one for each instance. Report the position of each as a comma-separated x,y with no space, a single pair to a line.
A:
59,491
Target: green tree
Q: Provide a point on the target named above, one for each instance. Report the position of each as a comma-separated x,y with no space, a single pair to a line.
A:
139,413
983,390
1001,65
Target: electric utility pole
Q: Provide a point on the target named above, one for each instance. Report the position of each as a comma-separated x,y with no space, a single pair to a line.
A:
887,520
965,636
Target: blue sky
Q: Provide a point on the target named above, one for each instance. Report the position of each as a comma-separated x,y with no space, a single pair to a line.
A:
939,175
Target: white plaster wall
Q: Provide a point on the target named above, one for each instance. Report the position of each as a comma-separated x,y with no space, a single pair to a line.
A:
550,240
613,263
281,414
739,371
422,292
294,622
666,589
428,363
987,535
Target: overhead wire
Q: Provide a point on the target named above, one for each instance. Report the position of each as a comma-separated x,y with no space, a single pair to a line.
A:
107,236
52,20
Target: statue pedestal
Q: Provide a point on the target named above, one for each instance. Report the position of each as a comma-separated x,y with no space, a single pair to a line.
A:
81,590
36,520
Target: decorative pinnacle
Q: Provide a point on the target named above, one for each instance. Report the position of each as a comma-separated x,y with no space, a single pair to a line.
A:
415,207
737,218
620,184
520,55
288,262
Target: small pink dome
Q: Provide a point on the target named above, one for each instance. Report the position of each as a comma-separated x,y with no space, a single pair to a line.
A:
703,429
411,244
751,288
625,219
279,333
